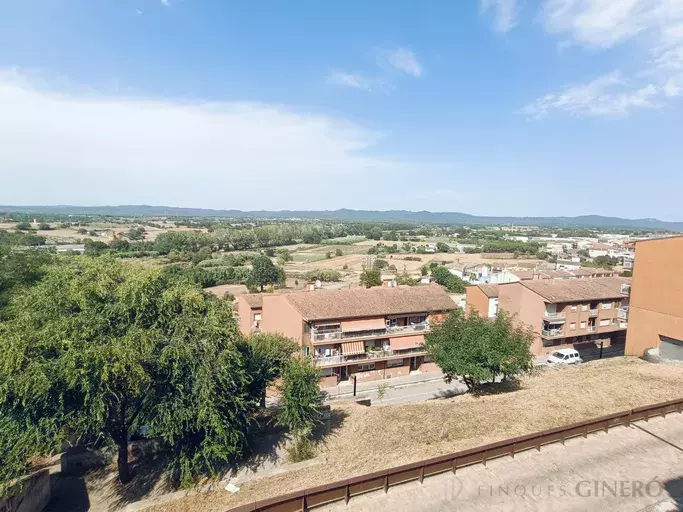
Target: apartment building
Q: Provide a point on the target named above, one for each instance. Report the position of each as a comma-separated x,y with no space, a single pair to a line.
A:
569,313
656,313
482,298
374,333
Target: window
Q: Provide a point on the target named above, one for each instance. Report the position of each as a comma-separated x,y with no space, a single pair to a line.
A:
584,307
257,317
366,367
427,359
604,322
307,351
574,308
572,326
394,363
327,372
583,325
606,305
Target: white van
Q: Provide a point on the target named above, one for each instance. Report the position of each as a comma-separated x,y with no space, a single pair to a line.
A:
564,356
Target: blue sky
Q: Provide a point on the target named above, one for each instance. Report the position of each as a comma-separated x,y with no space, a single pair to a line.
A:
491,107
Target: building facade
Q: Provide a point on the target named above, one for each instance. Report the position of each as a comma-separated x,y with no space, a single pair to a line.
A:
569,313
369,334
483,299
656,313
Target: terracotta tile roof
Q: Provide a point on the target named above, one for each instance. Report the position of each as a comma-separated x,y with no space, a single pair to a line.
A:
367,302
490,290
572,290
255,300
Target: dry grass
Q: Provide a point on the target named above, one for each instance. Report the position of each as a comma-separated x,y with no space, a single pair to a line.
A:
371,439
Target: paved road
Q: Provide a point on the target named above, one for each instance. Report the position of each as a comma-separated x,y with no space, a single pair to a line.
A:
410,392
628,469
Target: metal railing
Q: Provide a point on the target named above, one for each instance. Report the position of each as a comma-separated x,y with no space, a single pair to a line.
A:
623,313
593,312
371,354
552,333
338,334
555,316
592,328
303,500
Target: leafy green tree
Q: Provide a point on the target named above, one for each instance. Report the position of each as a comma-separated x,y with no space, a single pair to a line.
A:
424,270
283,256
480,349
379,264
44,226
268,354
23,226
370,277
301,397
339,252
263,272
270,252
20,268
452,282
443,247
95,247
99,348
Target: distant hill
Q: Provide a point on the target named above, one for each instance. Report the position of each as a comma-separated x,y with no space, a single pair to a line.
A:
582,221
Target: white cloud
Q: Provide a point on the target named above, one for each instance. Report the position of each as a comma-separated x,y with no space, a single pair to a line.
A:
138,12
89,148
601,24
166,3
406,61
608,95
604,23
344,79
358,81
505,16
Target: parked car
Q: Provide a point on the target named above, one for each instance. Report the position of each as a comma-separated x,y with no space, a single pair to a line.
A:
564,356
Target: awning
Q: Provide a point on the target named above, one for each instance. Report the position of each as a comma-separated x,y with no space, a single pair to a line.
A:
406,342
367,324
352,348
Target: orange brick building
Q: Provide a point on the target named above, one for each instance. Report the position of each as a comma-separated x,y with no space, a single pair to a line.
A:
656,313
569,313
374,333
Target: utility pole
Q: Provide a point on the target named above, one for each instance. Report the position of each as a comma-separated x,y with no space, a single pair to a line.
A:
354,385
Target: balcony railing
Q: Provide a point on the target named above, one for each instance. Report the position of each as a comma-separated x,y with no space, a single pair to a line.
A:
338,334
593,312
555,316
623,313
592,328
552,333
369,355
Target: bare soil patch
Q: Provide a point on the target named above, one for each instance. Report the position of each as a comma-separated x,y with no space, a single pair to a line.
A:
371,439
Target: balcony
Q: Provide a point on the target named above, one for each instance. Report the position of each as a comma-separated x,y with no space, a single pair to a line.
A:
593,312
554,316
367,356
552,333
338,334
592,328
623,313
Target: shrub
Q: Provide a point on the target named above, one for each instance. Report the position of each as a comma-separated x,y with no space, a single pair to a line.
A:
323,274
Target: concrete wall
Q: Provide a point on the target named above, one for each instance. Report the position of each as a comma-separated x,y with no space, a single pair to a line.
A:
279,316
671,349
528,308
476,299
28,494
656,295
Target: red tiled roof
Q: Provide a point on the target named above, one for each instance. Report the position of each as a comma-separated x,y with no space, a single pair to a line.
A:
369,302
